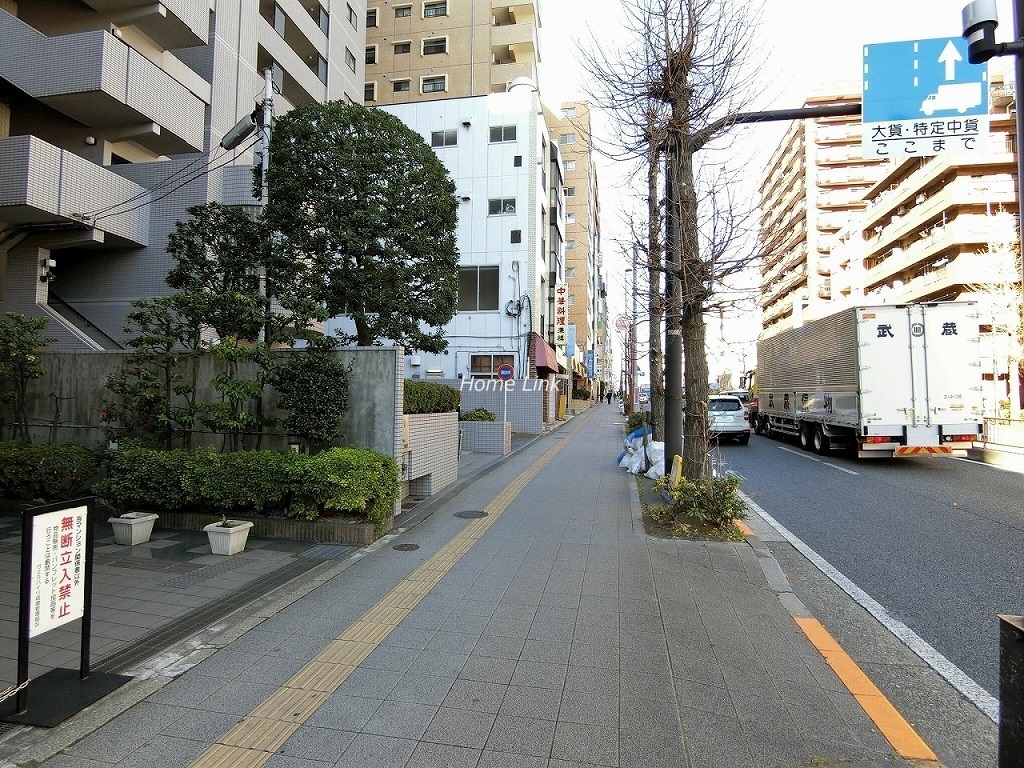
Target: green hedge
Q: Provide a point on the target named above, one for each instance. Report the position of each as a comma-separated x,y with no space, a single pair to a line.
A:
478,414
429,397
51,472
336,480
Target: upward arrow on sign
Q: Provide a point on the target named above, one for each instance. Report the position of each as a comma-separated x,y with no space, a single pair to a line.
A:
950,56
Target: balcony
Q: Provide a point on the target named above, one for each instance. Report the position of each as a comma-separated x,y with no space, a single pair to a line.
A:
520,36
44,182
170,23
97,80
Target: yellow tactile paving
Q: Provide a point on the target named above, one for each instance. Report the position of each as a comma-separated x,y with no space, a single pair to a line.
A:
320,676
253,741
345,652
223,756
255,733
290,705
897,731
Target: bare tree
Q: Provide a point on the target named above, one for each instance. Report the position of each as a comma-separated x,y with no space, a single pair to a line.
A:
672,90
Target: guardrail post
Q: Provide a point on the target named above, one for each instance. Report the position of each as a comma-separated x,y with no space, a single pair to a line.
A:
1011,691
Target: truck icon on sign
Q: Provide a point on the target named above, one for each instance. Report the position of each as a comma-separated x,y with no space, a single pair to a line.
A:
958,96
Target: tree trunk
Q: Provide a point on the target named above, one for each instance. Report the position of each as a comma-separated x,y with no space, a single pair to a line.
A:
655,302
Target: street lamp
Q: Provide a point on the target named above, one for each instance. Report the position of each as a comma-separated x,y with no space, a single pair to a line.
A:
629,379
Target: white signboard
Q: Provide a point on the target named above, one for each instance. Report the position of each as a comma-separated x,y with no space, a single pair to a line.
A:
57,591
923,97
561,314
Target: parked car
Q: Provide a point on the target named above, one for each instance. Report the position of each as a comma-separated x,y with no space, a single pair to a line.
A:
728,418
742,394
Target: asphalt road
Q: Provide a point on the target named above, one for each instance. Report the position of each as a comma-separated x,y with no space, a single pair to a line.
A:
938,542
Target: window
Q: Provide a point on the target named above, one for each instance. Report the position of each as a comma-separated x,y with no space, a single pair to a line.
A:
403,11
501,133
517,235
570,245
435,45
321,69
570,272
403,47
570,218
500,206
371,18
478,289
569,113
444,138
435,9
570,191
371,54
352,18
350,59
567,138
486,366
570,165
369,92
400,86
437,84
517,161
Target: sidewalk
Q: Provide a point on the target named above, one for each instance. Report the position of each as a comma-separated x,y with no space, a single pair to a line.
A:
525,620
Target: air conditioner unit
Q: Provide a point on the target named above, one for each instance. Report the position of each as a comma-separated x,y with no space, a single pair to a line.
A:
415,360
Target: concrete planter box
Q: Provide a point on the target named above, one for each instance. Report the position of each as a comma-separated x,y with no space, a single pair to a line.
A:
133,528
430,453
325,531
229,538
487,436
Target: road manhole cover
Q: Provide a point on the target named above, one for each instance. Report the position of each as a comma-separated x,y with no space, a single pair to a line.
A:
406,547
471,513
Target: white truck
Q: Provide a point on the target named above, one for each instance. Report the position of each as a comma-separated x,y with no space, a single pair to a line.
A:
958,96
887,380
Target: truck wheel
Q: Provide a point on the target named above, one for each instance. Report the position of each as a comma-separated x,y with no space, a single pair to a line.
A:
820,441
805,437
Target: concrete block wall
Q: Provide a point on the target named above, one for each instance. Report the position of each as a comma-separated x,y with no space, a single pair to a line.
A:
430,455
487,436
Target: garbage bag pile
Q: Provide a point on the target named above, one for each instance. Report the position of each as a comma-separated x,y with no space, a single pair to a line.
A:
635,459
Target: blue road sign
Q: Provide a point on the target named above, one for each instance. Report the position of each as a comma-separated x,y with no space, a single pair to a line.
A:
506,372
917,79
922,97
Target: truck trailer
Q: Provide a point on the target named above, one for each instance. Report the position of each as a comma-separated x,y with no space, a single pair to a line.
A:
887,380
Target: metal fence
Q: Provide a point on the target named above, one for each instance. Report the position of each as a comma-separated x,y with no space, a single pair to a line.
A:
1004,432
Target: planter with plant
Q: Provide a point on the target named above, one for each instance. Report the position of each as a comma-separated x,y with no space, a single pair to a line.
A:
133,528
228,537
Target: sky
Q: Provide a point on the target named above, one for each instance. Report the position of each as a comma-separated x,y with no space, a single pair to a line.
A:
806,43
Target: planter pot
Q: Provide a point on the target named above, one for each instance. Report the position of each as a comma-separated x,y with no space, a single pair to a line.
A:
133,527
228,539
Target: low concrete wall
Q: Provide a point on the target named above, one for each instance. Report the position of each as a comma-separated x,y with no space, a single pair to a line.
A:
430,453
487,436
65,404
324,531
520,401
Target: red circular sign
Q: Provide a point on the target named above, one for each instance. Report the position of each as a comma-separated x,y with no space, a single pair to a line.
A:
505,372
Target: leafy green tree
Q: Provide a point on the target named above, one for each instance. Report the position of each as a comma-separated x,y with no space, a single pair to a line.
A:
20,344
313,387
361,199
154,400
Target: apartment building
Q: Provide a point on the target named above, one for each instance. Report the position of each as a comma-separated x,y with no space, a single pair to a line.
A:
443,49
572,129
814,184
111,115
945,228
510,236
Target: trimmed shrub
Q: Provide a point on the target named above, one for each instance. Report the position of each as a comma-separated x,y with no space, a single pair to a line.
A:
478,414
429,397
352,480
52,472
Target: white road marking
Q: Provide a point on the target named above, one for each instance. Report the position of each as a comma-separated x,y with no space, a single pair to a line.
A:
955,676
805,455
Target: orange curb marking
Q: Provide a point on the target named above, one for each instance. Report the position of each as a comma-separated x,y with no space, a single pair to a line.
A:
897,731
745,529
